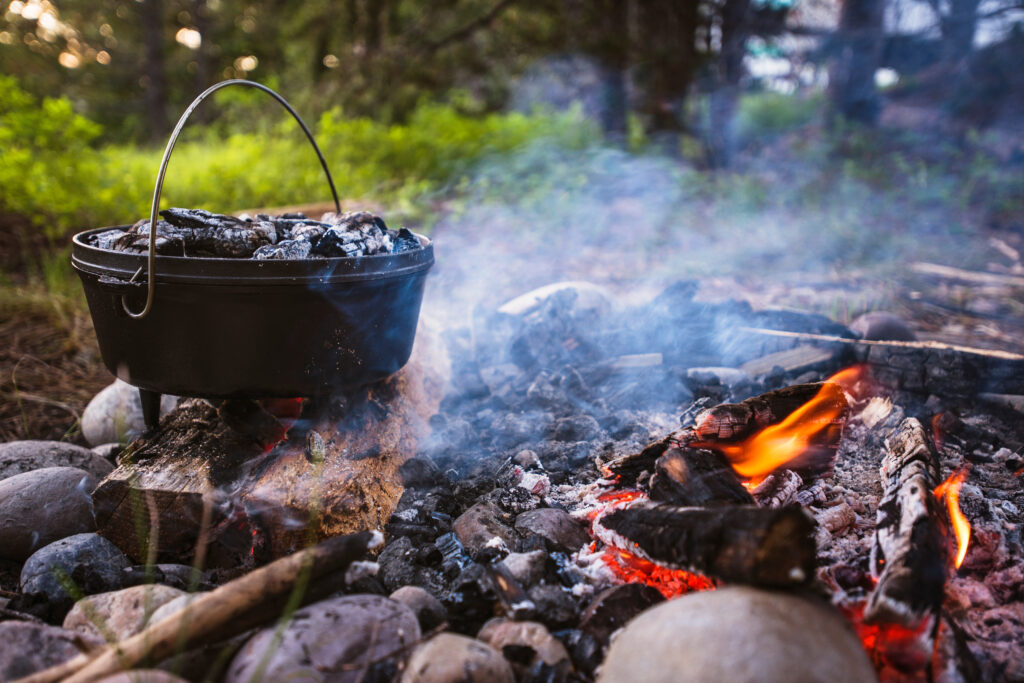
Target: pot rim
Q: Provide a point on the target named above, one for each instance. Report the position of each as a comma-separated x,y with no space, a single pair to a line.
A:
123,266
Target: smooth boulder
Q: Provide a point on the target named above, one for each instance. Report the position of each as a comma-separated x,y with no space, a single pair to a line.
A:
28,648
738,634
143,676
89,561
117,615
43,506
115,414
18,457
451,658
335,640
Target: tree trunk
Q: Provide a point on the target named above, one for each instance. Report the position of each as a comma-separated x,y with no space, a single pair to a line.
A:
153,73
735,30
958,29
852,77
615,60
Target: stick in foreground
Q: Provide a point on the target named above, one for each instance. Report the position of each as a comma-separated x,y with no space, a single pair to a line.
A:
223,610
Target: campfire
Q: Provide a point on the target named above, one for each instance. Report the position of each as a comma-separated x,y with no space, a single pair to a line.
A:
560,473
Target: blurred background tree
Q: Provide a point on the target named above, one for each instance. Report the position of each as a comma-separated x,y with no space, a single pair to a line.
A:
130,64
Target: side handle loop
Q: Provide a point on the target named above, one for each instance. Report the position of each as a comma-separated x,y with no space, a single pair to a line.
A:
158,189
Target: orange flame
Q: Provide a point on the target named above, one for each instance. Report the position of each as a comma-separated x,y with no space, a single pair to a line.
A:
950,490
758,455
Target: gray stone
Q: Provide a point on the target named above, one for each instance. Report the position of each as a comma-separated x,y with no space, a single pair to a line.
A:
29,648
556,526
882,326
481,530
91,562
18,457
500,633
115,414
42,506
109,451
428,609
143,676
738,634
174,605
526,568
118,614
451,658
333,640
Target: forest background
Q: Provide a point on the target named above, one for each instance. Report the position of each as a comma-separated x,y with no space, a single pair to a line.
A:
868,132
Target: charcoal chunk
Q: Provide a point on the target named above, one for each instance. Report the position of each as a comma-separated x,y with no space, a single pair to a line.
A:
286,250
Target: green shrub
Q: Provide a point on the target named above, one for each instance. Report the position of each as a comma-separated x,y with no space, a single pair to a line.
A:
770,113
50,174
46,159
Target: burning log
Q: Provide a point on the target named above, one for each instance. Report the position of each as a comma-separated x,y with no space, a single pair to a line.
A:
227,611
740,543
696,477
798,427
908,557
730,422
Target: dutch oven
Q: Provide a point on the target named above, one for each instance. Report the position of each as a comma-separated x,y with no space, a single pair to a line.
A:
243,328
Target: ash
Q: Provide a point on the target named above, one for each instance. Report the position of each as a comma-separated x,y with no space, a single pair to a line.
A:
291,236
548,388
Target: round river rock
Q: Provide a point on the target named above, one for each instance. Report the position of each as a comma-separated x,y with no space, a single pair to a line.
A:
737,634
333,640
29,648
115,414
43,506
120,613
93,563
451,658
18,457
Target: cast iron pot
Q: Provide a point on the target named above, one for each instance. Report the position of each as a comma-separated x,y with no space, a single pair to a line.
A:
242,328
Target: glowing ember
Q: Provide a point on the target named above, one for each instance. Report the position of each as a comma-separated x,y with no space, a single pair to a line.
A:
629,567
892,646
950,490
669,582
757,456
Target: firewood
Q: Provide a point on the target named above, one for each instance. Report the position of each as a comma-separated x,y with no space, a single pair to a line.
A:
226,611
732,423
972,276
696,477
737,543
908,556
735,421
929,367
793,361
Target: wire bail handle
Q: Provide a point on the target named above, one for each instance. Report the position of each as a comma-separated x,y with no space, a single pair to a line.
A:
158,189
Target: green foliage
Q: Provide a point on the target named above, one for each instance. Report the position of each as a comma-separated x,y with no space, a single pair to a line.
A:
46,157
770,113
51,175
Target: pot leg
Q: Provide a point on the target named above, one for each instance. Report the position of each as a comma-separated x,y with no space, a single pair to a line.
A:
150,408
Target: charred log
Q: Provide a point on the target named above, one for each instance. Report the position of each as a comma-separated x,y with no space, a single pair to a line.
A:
735,421
740,544
908,557
629,470
696,477
729,425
